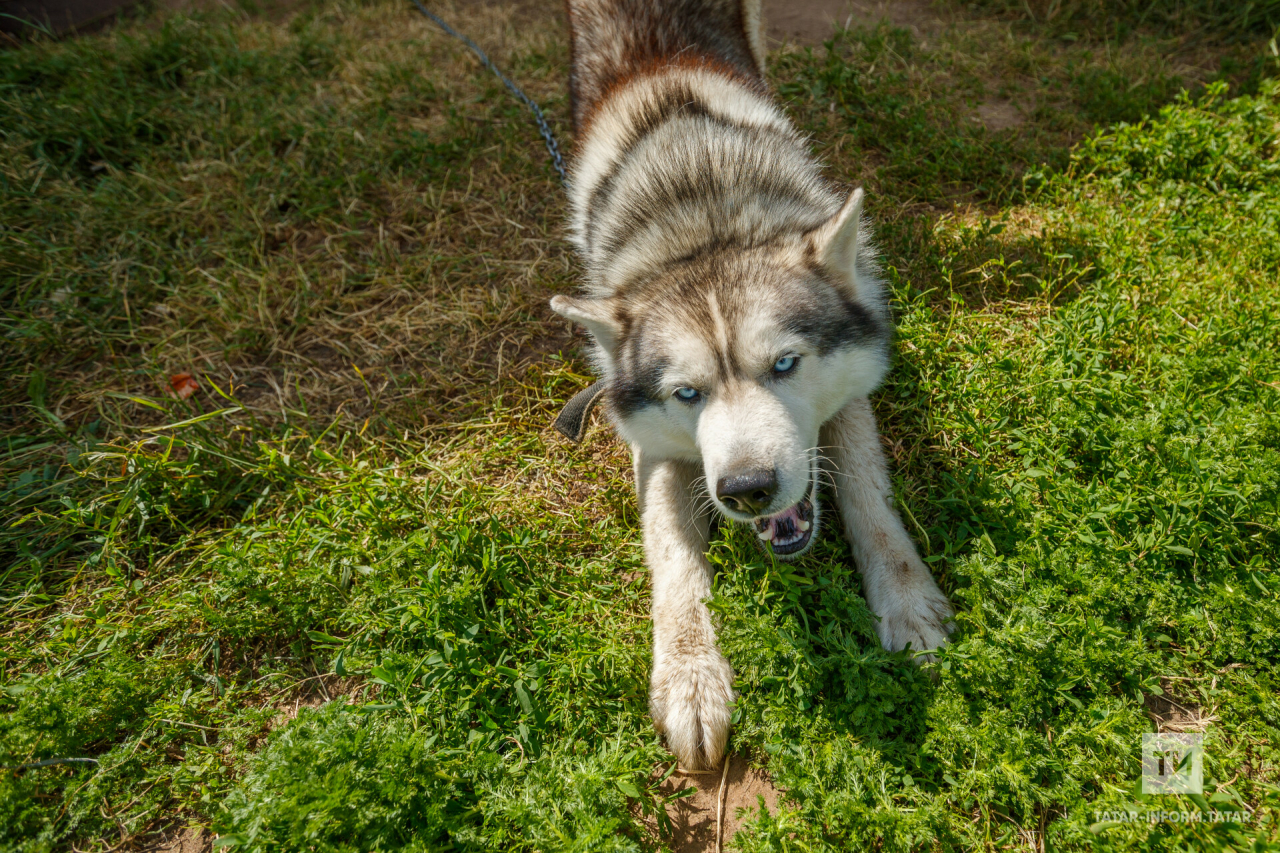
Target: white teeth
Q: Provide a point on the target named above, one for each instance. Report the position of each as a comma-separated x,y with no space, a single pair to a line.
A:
766,534
804,525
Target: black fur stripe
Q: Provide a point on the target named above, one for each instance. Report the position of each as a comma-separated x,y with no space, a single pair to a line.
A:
673,102
833,327
704,184
637,383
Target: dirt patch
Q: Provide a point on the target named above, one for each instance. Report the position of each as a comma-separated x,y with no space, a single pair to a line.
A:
693,817
1176,711
999,114
192,839
813,21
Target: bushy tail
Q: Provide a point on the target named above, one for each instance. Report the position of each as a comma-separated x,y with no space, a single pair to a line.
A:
617,39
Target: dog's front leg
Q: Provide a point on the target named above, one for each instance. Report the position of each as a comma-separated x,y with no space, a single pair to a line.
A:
897,584
692,684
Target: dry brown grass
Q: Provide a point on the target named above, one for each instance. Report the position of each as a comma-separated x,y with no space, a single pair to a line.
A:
418,302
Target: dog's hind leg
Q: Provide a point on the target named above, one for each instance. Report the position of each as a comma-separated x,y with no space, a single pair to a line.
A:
691,687
896,582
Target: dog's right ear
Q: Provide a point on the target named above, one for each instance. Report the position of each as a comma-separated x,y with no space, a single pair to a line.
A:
596,314
838,240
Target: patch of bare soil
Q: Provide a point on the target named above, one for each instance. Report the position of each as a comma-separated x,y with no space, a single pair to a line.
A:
693,817
812,21
1177,710
189,840
999,114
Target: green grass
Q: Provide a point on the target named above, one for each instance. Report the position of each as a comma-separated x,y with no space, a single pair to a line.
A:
355,595
1073,18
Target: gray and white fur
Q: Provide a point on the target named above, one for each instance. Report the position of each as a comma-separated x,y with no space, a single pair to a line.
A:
739,322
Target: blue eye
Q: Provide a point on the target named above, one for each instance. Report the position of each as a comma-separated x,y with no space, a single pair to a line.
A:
785,364
688,395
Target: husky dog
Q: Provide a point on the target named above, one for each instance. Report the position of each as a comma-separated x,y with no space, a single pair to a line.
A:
739,322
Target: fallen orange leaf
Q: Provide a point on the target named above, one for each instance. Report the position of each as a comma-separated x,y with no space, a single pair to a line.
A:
183,385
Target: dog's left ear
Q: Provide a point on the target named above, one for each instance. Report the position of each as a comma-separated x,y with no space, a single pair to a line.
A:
596,314
836,241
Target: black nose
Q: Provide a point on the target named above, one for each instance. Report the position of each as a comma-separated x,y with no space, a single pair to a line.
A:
747,491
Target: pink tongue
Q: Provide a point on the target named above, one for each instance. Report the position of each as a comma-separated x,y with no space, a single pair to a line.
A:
792,513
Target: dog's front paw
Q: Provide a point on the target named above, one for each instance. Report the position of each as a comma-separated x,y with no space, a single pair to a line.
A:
690,697
913,611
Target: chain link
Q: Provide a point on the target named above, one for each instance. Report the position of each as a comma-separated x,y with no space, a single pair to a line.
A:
552,148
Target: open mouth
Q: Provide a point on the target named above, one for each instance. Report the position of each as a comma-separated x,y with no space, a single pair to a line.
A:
790,531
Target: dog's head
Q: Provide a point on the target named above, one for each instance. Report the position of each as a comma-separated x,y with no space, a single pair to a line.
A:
736,358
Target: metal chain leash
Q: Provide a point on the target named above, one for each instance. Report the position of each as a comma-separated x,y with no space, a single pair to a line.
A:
552,148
